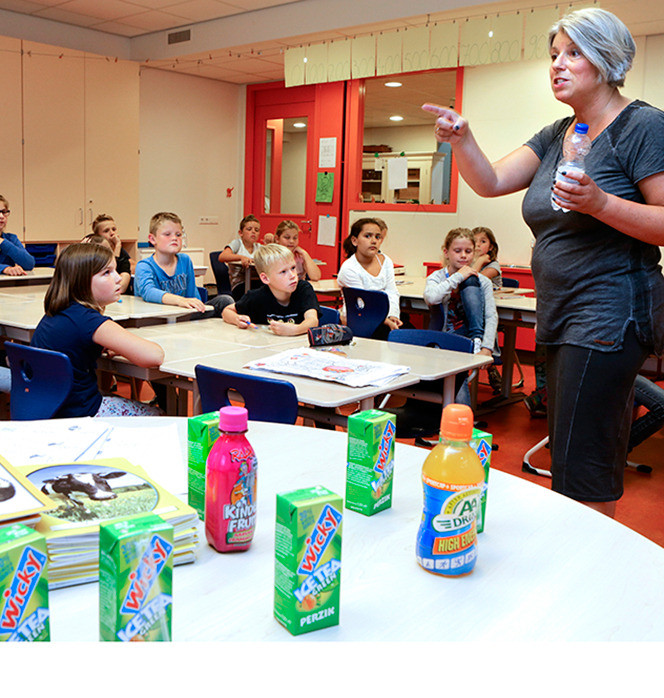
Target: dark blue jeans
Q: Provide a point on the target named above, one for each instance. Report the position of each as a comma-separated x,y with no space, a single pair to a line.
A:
472,299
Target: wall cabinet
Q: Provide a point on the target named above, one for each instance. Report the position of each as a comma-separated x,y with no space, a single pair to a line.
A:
81,139
421,171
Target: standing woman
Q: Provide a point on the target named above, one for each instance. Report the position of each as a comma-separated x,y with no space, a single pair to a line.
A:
600,290
15,260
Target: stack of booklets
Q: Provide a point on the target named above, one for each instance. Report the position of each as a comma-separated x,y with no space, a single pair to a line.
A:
74,498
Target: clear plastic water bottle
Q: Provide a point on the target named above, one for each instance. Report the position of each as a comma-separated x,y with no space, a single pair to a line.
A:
575,148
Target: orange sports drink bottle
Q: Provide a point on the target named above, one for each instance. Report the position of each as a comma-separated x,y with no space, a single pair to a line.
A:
452,478
230,492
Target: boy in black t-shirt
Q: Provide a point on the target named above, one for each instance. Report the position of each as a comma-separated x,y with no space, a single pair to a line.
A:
288,306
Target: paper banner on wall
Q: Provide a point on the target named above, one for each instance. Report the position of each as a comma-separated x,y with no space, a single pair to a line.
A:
325,187
415,42
388,53
327,153
506,34
474,42
397,173
294,66
316,65
327,231
338,60
536,35
444,45
363,57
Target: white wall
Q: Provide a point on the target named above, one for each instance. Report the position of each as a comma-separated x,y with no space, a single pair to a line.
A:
192,150
505,105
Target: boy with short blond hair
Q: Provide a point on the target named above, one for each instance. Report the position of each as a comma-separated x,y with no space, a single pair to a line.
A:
287,305
168,276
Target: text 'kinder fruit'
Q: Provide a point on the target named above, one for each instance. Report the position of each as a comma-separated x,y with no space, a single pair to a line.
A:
307,574
230,488
452,479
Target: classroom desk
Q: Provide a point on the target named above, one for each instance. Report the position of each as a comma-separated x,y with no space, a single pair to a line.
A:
549,569
220,345
22,308
38,276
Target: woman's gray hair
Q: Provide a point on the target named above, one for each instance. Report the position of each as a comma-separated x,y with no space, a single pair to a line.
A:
602,38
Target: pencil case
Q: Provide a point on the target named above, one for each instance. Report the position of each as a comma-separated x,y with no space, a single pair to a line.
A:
329,334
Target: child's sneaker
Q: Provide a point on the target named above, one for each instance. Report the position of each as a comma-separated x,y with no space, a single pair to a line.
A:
536,403
477,345
495,380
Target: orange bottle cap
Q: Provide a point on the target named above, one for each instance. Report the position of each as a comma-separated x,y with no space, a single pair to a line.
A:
457,422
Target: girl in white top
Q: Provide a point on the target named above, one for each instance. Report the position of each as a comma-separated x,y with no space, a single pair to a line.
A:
369,269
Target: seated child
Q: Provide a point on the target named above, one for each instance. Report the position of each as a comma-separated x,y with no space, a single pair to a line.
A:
239,253
288,235
367,268
288,305
105,226
15,260
486,256
466,297
167,276
84,283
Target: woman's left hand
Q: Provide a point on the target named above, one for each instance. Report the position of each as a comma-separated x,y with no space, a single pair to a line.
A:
582,195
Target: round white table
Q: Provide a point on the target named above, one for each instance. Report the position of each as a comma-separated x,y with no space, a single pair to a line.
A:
548,567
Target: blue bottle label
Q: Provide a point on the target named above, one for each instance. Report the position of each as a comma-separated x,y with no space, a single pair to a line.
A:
447,538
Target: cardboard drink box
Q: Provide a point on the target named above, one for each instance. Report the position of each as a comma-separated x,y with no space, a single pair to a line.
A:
202,432
135,579
24,612
370,462
481,443
308,559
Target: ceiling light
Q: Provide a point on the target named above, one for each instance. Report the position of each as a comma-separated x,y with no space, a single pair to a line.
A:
393,84
299,124
396,117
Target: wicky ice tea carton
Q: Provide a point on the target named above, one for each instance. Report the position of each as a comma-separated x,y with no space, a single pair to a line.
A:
202,432
481,444
370,462
24,613
308,559
135,579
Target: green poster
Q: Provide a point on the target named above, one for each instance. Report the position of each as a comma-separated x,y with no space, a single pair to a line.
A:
325,187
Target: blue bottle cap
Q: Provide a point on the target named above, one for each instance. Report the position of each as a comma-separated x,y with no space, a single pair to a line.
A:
581,128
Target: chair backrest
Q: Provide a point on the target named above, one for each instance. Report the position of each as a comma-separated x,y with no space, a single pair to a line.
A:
328,316
220,271
365,310
432,338
266,399
510,283
41,381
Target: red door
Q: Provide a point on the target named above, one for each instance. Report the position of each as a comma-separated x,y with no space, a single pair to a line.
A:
293,171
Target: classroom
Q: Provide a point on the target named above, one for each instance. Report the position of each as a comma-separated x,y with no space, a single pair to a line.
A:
132,108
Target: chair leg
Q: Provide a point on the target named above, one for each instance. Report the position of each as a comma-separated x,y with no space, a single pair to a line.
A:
527,468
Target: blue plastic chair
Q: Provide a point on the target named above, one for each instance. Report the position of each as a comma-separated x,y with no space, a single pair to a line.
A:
328,316
510,283
432,338
266,399
220,271
365,310
41,381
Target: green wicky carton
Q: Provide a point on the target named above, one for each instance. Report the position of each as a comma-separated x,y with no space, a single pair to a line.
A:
370,462
308,559
202,432
481,443
24,612
136,579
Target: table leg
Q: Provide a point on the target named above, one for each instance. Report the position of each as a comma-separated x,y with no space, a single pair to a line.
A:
509,347
449,385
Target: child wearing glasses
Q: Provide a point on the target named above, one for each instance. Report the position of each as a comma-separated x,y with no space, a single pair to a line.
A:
15,260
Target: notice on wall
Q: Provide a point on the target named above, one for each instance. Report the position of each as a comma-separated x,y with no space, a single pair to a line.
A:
397,173
327,230
325,187
327,153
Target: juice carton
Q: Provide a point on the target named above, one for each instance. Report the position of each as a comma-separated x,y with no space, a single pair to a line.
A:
370,463
308,559
24,613
481,444
135,579
202,432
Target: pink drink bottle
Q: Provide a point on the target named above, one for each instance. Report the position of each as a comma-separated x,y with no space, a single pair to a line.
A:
230,488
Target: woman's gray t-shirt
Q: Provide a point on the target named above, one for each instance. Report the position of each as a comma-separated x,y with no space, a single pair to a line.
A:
591,279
